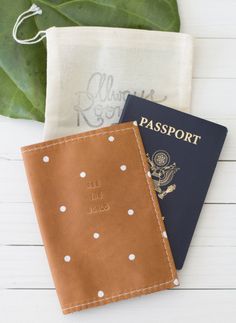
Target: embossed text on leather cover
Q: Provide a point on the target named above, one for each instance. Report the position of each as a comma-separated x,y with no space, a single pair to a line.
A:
99,217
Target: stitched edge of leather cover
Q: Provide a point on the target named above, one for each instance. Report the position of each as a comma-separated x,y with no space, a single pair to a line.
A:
172,282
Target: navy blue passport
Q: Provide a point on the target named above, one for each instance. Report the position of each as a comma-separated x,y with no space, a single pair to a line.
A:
182,152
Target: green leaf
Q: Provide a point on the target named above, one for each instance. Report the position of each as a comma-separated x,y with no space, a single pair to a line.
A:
23,67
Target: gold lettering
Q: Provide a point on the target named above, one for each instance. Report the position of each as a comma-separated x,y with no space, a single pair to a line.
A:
196,139
170,131
143,121
182,134
149,125
164,128
157,127
188,137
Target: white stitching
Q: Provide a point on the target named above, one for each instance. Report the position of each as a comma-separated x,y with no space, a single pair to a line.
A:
153,202
149,180
156,212
117,296
70,140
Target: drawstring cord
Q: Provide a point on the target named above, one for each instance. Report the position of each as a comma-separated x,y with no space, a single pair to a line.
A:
32,11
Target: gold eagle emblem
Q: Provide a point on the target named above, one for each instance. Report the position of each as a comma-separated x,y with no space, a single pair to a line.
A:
162,172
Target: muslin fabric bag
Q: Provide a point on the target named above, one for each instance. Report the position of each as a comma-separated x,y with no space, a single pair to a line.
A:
91,70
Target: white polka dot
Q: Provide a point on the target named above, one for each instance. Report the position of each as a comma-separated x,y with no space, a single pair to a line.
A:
62,208
82,174
100,293
164,234
135,123
149,174
111,138
176,282
132,257
123,168
96,235
67,258
45,159
131,212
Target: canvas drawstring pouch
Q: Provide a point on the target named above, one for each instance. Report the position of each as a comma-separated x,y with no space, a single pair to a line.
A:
91,70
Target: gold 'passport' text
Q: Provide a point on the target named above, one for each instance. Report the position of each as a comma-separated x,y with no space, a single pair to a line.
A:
170,131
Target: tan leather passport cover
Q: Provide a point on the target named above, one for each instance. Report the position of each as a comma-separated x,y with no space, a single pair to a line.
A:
99,217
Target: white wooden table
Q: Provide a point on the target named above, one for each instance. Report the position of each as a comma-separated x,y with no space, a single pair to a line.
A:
208,280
